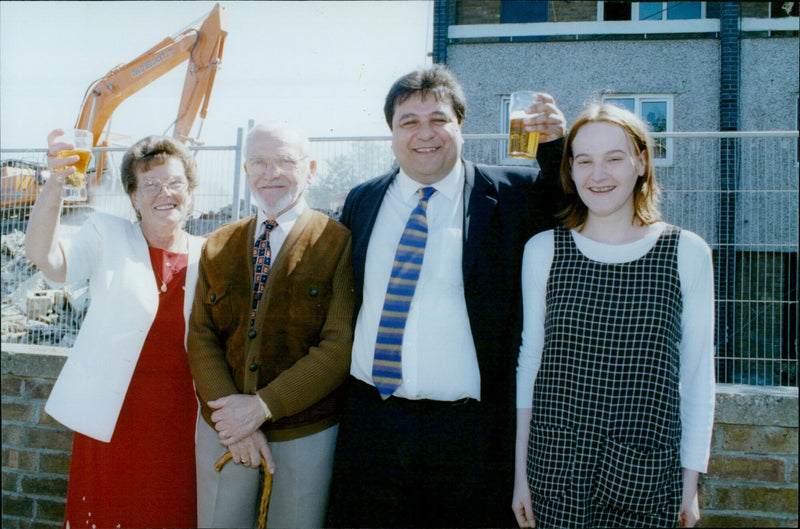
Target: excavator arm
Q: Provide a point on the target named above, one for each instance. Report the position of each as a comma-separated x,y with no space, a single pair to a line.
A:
201,73
203,49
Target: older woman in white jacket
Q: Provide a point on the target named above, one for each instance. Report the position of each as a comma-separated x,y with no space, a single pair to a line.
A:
125,388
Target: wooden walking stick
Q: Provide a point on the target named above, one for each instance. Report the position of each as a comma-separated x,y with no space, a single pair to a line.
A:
266,492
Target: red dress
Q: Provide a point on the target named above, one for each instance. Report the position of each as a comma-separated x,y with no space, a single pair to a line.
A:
145,477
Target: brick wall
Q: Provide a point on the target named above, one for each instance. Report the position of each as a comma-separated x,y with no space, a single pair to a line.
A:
755,9
488,11
36,449
751,482
477,11
752,474
574,11
444,15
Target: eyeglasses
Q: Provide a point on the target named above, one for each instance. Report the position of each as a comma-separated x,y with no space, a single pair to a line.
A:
283,163
153,187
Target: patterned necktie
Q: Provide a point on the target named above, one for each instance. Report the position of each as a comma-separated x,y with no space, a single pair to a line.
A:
262,257
387,372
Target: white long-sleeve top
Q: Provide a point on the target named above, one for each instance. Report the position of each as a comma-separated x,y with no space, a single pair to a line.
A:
697,383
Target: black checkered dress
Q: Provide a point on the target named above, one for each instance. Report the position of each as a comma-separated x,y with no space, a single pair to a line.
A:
605,431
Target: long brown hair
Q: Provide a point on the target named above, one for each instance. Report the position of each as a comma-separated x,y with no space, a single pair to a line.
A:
646,193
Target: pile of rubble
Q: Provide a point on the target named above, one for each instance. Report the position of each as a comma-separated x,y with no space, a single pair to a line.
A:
32,311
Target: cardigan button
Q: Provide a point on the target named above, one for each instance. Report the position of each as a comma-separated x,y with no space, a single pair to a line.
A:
252,333
253,367
314,292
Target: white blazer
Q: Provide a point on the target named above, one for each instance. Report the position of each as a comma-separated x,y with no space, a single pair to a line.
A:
113,254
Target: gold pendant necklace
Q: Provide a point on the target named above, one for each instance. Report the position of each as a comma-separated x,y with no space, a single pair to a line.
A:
160,280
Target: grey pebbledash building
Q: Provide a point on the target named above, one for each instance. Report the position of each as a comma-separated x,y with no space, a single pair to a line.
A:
717,80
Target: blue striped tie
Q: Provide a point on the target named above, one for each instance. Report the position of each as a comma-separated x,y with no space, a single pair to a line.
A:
387,372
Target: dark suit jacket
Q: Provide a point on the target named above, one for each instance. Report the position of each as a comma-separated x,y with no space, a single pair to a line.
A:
507,206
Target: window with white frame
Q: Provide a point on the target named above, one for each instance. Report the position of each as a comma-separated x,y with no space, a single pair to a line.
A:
656,111
650,10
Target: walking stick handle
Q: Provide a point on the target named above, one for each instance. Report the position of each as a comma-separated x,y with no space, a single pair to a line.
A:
266,492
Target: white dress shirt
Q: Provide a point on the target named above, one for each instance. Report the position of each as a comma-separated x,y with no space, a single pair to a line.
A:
438,355
695,269
285,221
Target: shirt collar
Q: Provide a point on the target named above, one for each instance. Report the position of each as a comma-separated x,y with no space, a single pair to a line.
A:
449,186
287,218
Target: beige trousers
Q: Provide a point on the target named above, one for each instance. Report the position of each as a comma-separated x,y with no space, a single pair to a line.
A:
299,488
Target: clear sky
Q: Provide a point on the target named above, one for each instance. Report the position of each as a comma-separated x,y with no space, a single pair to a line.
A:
325,65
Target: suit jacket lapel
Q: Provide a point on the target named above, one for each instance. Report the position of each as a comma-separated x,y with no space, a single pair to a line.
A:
482,201
362,232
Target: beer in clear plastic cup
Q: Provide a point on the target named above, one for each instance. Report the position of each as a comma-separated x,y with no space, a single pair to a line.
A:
74,189
521,143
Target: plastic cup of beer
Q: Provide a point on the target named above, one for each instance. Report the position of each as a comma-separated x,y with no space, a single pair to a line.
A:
74,189
521,143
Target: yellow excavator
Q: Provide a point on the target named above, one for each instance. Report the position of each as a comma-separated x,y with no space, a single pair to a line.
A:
202,47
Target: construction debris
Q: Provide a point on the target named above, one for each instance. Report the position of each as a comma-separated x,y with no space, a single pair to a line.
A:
32,311
35,312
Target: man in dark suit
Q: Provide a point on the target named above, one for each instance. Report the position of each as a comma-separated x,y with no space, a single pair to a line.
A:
427,436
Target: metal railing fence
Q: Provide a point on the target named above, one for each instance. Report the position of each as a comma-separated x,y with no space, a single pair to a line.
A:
739,191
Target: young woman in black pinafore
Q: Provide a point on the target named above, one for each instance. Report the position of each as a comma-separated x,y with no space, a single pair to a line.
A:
615,383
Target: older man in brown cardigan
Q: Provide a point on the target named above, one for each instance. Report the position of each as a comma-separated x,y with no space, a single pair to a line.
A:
269,343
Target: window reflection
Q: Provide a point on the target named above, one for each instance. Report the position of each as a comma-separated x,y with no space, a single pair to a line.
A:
683,10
